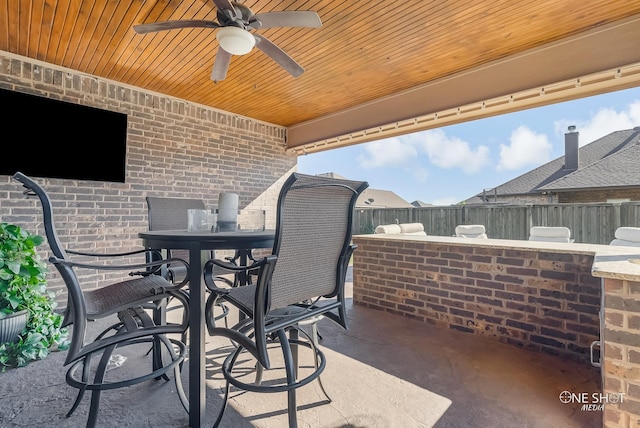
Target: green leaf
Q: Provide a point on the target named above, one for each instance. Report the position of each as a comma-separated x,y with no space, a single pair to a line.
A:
23,286
14,266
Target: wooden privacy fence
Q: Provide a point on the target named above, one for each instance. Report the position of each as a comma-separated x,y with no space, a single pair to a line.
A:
593,223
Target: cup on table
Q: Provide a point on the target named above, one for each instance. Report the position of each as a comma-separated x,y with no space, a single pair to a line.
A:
227,220
227,212
198,220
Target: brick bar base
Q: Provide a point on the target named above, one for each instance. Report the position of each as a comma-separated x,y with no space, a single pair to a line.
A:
621,363
539,300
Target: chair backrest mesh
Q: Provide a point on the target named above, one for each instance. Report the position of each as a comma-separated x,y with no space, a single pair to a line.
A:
171,214
313,231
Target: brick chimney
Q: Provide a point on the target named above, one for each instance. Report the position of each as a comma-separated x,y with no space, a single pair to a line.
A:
571,157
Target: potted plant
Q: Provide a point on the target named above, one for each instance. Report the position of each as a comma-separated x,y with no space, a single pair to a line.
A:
23,291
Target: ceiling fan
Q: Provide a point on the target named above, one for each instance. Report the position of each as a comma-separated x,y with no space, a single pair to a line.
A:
234,22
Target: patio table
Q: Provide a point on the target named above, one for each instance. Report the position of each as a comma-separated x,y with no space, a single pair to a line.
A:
196,242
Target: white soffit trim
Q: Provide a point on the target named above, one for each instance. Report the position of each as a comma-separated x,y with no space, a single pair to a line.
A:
592,84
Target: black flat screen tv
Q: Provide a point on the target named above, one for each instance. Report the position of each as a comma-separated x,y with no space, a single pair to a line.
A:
43,137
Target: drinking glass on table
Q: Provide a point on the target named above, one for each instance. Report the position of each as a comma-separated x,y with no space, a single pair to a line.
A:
198,220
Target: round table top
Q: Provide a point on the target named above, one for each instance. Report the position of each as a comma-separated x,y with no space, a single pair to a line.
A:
183,239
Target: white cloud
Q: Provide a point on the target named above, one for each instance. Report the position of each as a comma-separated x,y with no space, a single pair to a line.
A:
442,151
452,152
634,112
525,148
388,152
603,122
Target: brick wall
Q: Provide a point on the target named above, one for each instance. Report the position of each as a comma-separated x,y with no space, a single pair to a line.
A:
621,362
576,197
599,195
174,149
539,300
522,199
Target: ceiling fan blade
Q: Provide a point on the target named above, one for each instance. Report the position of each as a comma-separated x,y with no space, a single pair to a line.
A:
174,25
220,65
279,56
291,18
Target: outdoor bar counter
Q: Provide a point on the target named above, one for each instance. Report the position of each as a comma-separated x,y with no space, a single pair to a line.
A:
577,301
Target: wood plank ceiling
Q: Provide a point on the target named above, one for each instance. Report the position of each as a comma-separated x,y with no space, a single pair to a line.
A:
365,50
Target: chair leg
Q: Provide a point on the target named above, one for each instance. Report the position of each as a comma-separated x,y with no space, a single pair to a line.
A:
289,342
314,345
159,318
86,370
291,367
97,380
175,349
81,391
168,344
315,334
177,372
259,373
225,398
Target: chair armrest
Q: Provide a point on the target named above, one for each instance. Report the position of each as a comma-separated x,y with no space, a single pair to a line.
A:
150,254
230,266
226,265
148,266
124,254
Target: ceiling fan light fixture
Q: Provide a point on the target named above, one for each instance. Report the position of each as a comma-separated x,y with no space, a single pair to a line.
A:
235,40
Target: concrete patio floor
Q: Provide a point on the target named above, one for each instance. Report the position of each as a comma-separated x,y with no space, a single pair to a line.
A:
385,371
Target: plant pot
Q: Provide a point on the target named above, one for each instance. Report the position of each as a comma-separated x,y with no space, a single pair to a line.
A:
12,325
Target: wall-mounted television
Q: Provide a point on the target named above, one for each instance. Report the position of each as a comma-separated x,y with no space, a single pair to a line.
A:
43,137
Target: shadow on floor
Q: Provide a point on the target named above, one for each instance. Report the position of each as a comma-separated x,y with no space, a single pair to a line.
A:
385,371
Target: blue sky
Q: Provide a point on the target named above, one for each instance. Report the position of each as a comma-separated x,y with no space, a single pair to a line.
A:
447,165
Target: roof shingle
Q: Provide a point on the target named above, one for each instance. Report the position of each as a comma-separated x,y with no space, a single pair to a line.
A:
608,162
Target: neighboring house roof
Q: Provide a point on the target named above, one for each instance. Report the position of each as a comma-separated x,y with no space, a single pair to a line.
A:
608,162
374,198
419,204
620,169
332,175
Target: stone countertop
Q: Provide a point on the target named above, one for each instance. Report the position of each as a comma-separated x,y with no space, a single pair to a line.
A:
609,261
